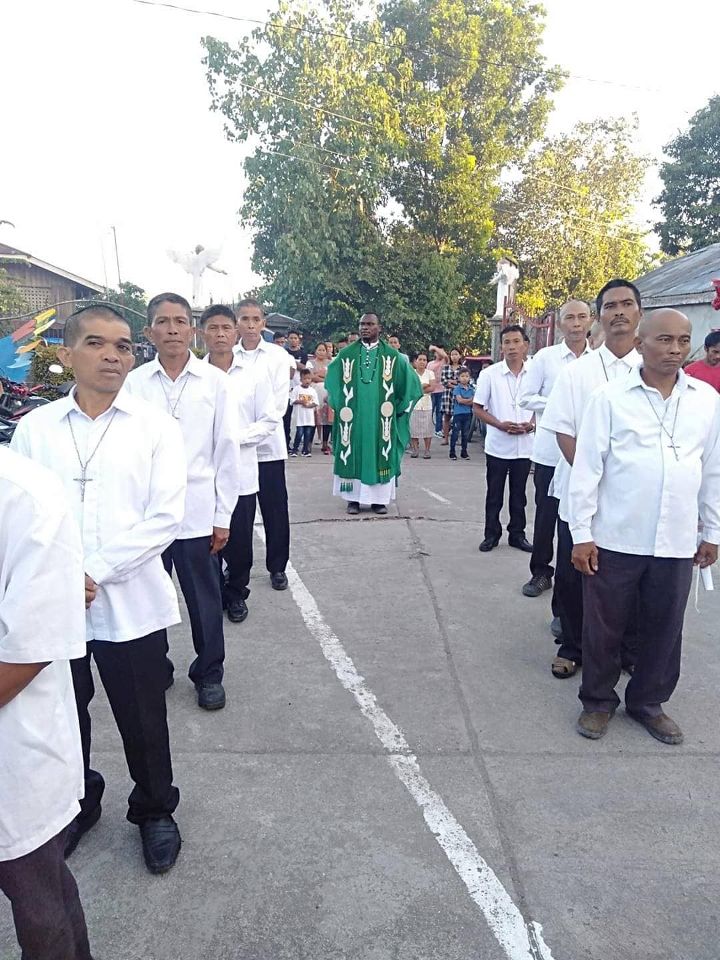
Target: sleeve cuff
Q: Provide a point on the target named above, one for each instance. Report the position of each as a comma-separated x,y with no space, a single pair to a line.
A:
581,534
222,520
710,535
97,568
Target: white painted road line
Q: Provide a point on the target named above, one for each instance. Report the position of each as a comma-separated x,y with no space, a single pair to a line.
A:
436,496
520,941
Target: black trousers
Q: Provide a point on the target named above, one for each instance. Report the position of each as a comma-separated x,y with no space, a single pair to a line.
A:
48,915
568,600
305,436
287,417
497,471
546,514
134,675
238,553
197,573
658,587
460,427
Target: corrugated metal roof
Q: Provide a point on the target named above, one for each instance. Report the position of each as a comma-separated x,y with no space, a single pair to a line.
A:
689,276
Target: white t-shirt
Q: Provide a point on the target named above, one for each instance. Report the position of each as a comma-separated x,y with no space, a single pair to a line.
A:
425,401
304,416
42,619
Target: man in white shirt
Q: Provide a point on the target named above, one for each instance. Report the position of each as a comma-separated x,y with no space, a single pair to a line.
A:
258,418
509,443
647,464
620,311
198,397
538,382
42,627
264,360
122,464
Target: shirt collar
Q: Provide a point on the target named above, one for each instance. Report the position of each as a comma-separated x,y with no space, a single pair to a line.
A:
505,369
155,367
634,380
609,358
66,405
262,345
566,350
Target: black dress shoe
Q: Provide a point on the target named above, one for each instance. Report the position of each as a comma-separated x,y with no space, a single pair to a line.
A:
237,611
521,543
488,544
353,508
211,696
78,828
278,581
379,508
161,844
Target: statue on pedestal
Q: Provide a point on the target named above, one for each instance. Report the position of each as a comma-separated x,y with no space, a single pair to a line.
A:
196,263
506,277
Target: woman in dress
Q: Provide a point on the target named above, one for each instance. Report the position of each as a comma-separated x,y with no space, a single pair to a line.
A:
449,377
421,423
323,415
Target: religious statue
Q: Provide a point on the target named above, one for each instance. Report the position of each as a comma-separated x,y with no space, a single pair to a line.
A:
196,263
506,277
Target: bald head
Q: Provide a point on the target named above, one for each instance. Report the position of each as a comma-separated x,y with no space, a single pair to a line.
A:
662,319
663,339
575,322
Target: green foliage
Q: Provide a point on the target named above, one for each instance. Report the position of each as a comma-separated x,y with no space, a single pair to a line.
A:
132,302
11,301
381,138
567,220
690,200
44,357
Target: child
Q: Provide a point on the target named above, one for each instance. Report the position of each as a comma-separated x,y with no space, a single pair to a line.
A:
462,414
305,400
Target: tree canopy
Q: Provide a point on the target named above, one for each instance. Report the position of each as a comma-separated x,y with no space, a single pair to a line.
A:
690,200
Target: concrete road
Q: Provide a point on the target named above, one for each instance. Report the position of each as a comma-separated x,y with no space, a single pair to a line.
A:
396,775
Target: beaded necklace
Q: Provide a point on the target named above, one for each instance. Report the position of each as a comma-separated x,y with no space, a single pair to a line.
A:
365,365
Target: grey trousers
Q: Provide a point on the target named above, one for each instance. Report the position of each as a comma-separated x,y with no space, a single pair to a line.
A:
660,587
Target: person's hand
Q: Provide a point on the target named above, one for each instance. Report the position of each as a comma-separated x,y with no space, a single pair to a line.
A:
585,558
528,426
507,426
707,554
219,538
90,591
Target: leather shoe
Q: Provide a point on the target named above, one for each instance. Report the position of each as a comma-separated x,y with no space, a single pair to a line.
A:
353,508
379,508
237,611
536,585
278,581
487,545
78,828
593,725
161,844
661,727
521,543
211,696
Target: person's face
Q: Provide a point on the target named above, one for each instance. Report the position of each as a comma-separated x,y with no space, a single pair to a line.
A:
321,352
455,357
171,331
464,379
514,346
712,356
421,362
369,328
305,379
280,341
575,321
352,337
619,313
329,347
219,334
102,356
293,341
342,344
395,344
251,324
665,343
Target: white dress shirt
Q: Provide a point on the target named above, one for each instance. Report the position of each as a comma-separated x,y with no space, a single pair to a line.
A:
567,401
42,620
199,399
267,359
537,384
637,487
498,391
133,506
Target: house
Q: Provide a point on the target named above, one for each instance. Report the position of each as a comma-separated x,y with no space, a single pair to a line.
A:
686,284
41,285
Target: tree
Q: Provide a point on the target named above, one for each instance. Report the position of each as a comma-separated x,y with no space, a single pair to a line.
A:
568,216
132,302
11,301
378,135
690,200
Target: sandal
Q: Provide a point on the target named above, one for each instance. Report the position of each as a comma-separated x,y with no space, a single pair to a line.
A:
563,668
426,456
414,456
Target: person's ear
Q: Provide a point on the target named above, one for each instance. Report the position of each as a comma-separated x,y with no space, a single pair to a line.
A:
148,334
64,356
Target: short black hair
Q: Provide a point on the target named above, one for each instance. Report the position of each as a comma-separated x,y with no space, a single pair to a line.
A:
296,332
614,284
420,353
306,370
514,328
73,324
712,339
152,307
278,335
250,302
217,310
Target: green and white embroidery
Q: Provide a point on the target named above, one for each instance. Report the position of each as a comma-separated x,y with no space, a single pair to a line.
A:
346,414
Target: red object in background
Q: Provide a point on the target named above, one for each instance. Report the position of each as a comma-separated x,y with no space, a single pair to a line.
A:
716,301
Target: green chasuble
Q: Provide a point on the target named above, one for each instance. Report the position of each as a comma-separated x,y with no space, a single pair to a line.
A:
372,392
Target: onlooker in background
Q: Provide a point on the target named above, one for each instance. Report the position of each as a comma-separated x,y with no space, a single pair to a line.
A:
394,342
596,337
463,395
300,358
438,390
330,347
305,400
323,414
353,336
508,445
449,378
709,368
279,339
341,344
421,426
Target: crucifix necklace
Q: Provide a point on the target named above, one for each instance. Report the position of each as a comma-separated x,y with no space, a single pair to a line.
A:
84,478
172,407
670,434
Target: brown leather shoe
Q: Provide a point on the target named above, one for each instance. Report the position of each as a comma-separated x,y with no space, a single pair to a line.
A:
593,725
661,727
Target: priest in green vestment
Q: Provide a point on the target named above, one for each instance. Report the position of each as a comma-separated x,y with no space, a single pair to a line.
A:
372,391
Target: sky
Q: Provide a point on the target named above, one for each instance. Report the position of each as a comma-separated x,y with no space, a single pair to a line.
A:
106,122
